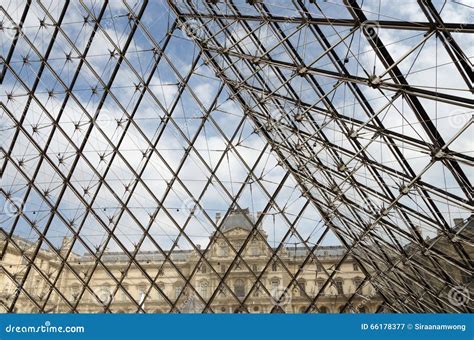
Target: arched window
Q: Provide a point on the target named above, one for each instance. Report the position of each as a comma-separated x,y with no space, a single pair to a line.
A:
239,288
275,283
323,310
341,309
320,287
340,286
357,282
362,310
301,286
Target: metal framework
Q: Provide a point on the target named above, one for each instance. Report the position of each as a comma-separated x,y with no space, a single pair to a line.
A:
127,126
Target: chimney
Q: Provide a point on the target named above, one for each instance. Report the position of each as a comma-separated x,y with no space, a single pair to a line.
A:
65,245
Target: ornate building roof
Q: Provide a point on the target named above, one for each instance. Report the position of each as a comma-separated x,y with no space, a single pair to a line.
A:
238,218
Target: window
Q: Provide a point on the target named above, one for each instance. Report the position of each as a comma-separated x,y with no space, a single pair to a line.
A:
256,292
355,267
203,269
161,285
323,309
255,268
274,267
75,291
223,250
254,249
357,282
124,296
340,287
203,289
362,310
319,267
275,284
341,309
320,287
301,286
222,268
141,292
239,288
